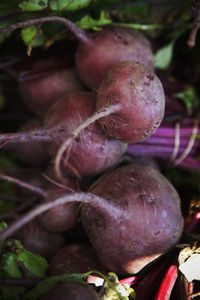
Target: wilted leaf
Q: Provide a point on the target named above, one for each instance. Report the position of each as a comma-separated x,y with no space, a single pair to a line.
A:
120,290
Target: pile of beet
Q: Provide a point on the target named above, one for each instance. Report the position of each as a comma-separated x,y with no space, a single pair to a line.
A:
93,204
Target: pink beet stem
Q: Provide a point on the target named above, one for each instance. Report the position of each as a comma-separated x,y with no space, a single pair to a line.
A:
167,284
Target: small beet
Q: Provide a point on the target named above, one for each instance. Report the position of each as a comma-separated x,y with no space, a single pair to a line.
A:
139,94
63,217
40,241
45,82
92,152
74,258
108,47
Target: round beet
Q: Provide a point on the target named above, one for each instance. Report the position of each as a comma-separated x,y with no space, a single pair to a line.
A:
92,152
45,81
108,47
74,258
150,223
138,94
62,217
40,241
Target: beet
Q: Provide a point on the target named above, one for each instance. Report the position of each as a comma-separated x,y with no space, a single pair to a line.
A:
92,152
45,81
60,218
150,223
131,217
74,258
140,98
39,241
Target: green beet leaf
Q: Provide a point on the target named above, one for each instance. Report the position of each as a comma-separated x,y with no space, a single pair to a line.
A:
33,5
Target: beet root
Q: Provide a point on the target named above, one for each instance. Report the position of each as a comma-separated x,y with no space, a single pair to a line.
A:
62,217
150,223
38,240
139,95
92,152
74,258
117,44
45,82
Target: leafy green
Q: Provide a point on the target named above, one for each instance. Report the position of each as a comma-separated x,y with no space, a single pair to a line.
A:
69,5
163,56
47,284
33,37
33,5
17,262
189,97
3,226
87,22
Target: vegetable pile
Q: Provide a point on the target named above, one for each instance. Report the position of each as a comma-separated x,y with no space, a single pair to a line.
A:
99,150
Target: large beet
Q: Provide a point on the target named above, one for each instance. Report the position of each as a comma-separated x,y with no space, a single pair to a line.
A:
150,222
